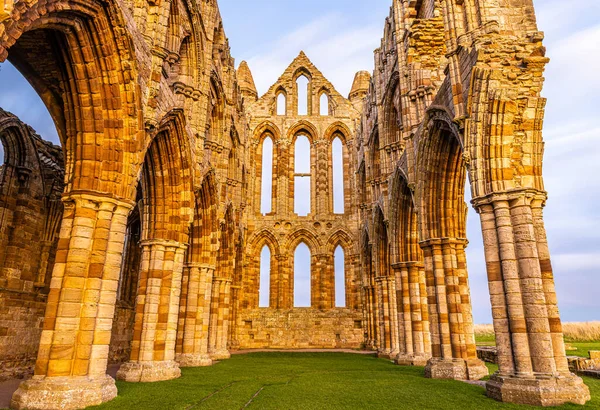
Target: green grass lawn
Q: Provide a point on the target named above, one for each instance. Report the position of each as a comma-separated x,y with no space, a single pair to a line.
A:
582,347
278,380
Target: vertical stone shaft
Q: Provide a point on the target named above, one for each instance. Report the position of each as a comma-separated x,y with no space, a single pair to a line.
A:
384,319
196,315
453,347
219,318
155,328
556,333
531,355
73,353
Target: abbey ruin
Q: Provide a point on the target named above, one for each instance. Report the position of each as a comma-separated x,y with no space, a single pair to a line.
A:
139,240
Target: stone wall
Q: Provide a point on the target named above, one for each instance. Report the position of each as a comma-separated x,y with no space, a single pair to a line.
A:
122,333
300,328
21,319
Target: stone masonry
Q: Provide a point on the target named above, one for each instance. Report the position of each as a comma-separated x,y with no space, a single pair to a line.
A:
139,242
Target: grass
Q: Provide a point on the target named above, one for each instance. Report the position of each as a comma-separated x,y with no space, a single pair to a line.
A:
279,380
583,336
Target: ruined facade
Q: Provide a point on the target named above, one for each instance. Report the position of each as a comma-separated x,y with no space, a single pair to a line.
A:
153,217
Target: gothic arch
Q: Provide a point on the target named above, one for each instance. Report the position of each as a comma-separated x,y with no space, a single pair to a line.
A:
304,235
303,127
75,27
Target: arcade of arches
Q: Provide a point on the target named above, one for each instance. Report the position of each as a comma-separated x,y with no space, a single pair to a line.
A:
184,216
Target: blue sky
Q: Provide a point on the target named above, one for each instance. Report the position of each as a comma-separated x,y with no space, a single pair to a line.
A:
339,36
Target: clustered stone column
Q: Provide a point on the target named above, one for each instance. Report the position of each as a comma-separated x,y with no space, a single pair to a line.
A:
192,350
388,319
531,354
454,354
413,317
157,309
70,371
219,318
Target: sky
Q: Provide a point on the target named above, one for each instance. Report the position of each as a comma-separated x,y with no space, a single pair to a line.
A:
339,36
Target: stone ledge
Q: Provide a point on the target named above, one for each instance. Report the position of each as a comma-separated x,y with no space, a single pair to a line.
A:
552,391
149,371
66,393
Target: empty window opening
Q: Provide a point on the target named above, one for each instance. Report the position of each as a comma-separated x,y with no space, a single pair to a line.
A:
324,104
264,286
340,277
302,176
266,176
302,276
281,101
337,159
302,86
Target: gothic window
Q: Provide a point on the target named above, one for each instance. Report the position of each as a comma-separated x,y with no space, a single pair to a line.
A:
376,158
324,104
266,176
281,101
302,276
302,176
302,87
340,276
337,160
264,286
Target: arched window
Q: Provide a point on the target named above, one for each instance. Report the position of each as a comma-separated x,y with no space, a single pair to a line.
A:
376,158
339,268
302,176
337,164
302,276
302,86
266,176
264,286
324,104
281,101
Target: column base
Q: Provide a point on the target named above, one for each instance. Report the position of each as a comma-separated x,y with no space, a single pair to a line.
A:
411,360
386,354
193,360
149,371
457,369
220,354
69,393
551,391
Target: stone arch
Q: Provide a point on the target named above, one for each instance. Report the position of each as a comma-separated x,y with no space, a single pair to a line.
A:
304,235
303,127
392,111
216,109
75,27
167,183
267,128
252,275
441,174
402,211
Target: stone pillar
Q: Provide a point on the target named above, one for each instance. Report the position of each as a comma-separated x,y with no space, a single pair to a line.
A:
219,319
155,330
388,317
195,316
531,355
454,354
415,346
70,371
371,315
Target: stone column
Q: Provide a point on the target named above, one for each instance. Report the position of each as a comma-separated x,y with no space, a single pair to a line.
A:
388,317
219,319
195,316
531,355
155,330
415,346
70,371
371,316
454,355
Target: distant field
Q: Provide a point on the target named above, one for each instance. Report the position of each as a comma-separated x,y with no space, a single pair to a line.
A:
584,336
319,381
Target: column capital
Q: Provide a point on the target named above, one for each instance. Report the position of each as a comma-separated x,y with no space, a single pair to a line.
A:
98,198
199,265
529,194
167,243
443,241
410,264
